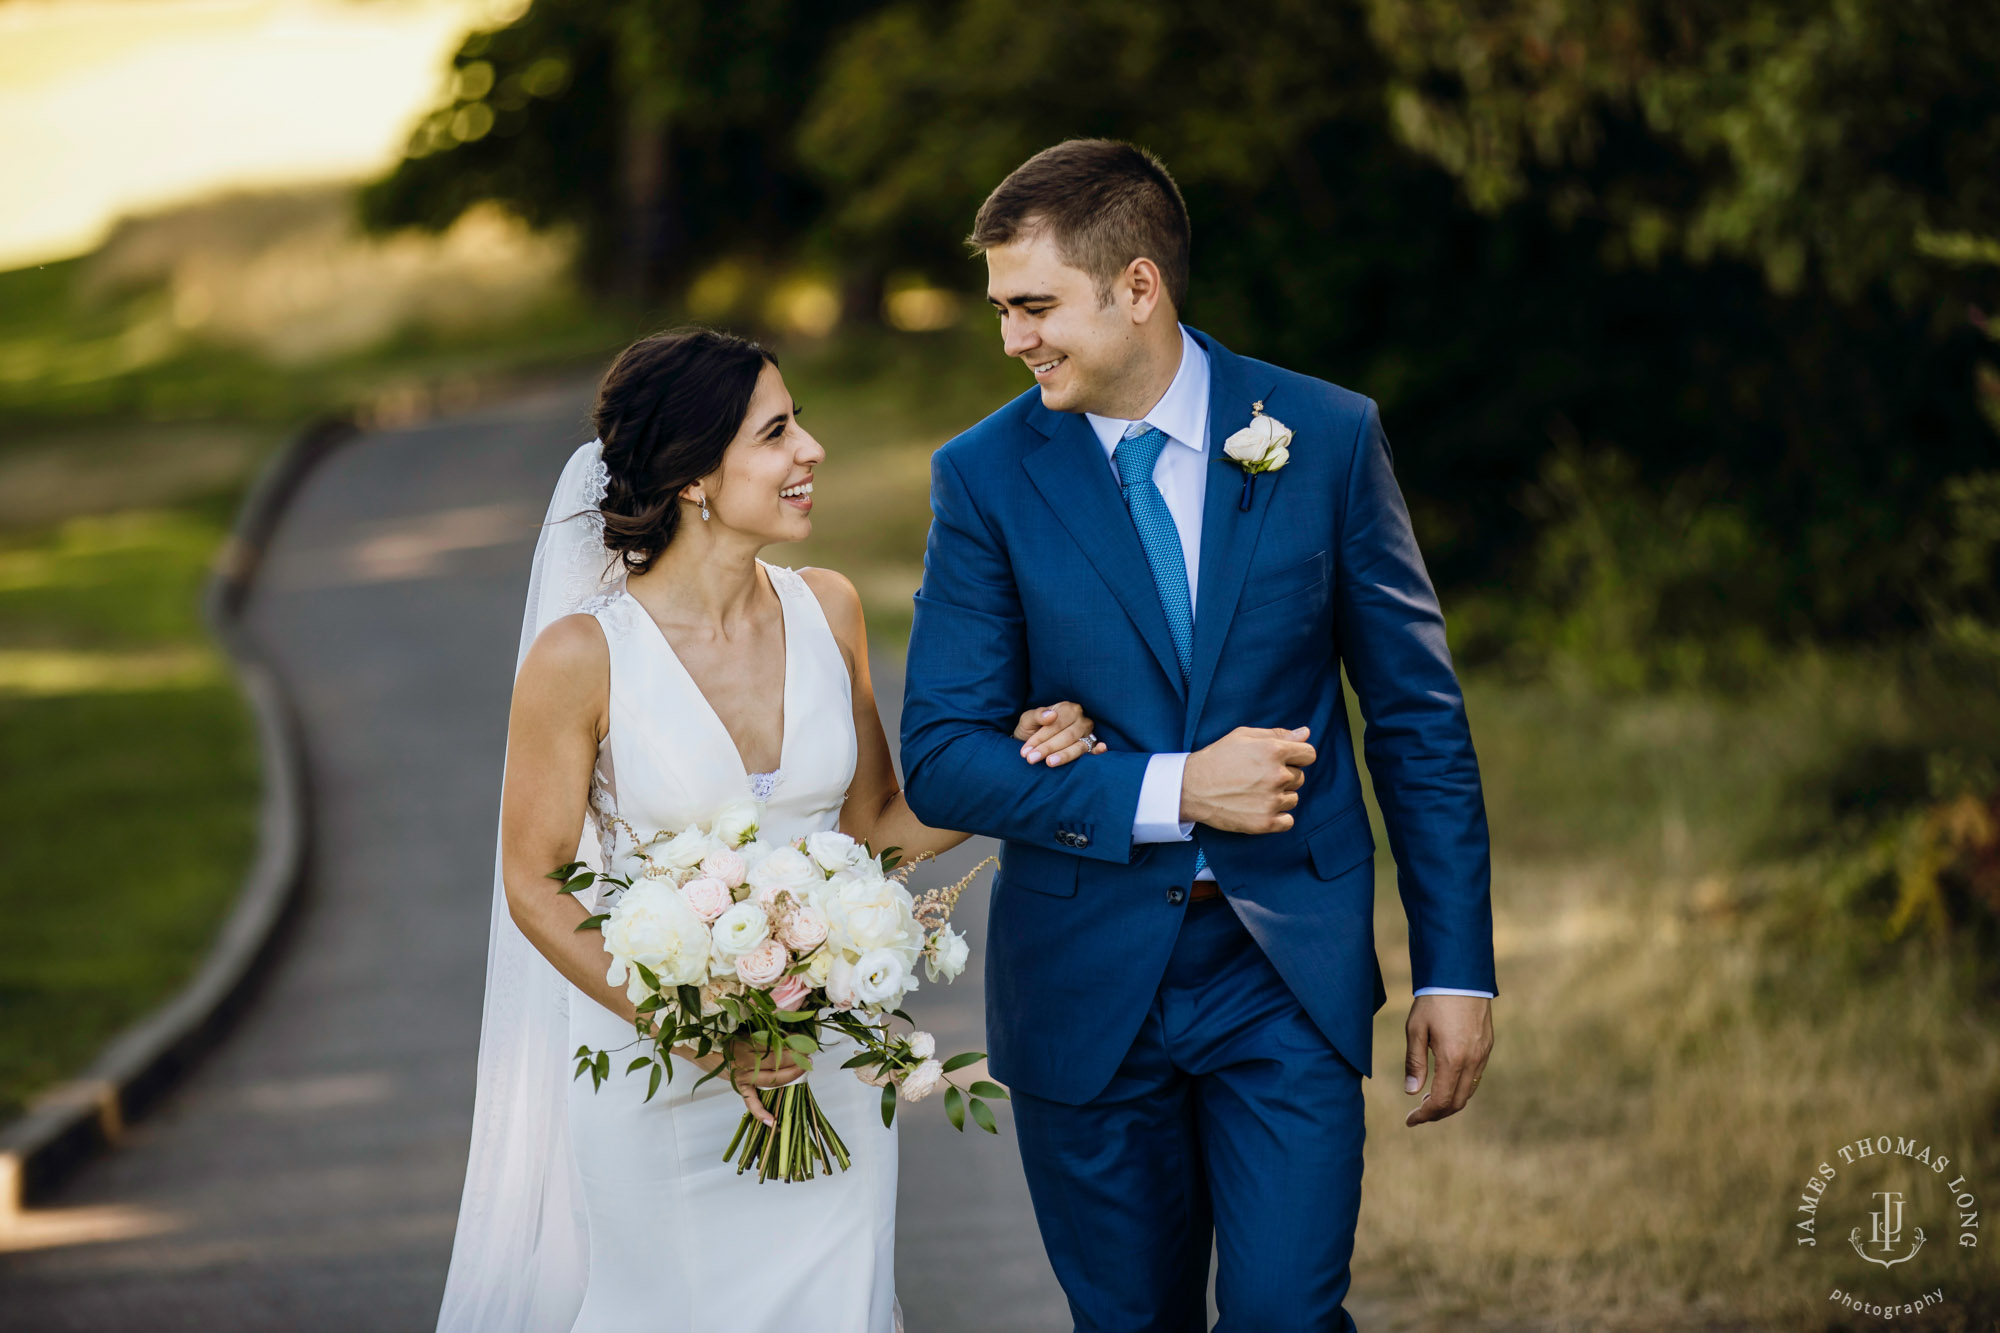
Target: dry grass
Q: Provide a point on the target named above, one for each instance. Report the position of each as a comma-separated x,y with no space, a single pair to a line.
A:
1666,1074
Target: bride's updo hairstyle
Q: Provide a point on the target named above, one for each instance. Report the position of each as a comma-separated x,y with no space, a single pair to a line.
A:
666,412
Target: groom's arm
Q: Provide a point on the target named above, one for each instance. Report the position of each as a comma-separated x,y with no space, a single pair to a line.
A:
966,684
1418,745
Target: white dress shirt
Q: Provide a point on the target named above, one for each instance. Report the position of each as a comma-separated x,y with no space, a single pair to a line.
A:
1182,477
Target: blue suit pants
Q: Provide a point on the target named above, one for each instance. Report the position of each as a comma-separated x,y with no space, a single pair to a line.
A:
1230,1118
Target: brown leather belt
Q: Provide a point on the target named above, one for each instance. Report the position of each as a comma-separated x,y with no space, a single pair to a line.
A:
1204,889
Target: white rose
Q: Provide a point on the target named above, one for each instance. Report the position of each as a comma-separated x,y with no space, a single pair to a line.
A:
840,984
725,865
832,851
685,850
818,966
874,914
945,955
923,1045
708,897
740,929
762,965
881,978
1261,446
651,924
922,1081
785,869
736,824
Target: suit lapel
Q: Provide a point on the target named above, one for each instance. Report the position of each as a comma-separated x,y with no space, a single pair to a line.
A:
1071,473
1228,532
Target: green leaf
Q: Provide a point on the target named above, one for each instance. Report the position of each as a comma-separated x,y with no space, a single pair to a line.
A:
888,1105
582,1051
984,1116
653,1083
905,1017
579,883
954,1108
651,1003
592,922
801,1043
638,1064
865,1058
960,1061
563,872
761,1039
647,975
690,999
982,1088
792,1015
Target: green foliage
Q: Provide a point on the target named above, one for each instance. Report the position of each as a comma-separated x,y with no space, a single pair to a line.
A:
662,132
1829,143
1744,249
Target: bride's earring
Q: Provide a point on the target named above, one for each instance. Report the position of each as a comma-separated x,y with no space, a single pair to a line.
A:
704,509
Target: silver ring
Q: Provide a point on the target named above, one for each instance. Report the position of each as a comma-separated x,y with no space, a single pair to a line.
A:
1090,742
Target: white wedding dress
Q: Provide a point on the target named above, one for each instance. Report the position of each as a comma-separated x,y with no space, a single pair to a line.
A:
678,1240
597,1210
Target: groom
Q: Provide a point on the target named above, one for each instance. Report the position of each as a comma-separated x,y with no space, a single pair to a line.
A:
1181,975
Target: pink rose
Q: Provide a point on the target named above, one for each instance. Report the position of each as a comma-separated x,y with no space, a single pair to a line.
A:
762,966
804,930
791,992
766,895
726,866
709,897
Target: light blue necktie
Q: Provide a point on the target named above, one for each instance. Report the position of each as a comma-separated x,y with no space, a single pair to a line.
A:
1135,456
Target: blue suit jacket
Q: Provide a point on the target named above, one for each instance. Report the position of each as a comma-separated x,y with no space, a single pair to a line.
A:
1035,588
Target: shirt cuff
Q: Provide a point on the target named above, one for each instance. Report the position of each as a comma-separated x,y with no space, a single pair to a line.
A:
1159,815
1447,990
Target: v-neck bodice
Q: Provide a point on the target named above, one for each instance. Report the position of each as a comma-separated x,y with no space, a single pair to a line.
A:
668,760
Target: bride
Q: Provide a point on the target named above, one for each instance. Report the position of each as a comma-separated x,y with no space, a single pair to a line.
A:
666,672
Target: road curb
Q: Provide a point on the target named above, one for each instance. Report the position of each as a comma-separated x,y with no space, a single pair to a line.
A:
76,1119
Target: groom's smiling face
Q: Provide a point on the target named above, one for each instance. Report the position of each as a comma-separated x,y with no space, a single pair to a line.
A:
1084,353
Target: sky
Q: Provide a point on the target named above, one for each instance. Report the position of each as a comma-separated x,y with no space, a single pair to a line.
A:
109,107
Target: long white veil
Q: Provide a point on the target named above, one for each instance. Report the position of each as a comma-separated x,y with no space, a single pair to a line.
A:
521,1253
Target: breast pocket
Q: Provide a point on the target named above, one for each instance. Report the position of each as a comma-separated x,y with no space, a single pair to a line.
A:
1263,589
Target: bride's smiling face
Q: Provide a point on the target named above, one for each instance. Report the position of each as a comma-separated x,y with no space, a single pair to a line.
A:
764,487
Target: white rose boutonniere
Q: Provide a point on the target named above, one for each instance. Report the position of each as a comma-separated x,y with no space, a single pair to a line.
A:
1262,446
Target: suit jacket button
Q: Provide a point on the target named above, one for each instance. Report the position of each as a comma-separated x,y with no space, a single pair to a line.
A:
1174,895
1082,839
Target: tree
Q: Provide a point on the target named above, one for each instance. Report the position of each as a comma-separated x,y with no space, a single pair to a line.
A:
662,131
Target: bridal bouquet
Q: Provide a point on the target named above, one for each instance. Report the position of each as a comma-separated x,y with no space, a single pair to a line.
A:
723,937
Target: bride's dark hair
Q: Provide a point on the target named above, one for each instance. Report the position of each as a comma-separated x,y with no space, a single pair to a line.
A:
666,411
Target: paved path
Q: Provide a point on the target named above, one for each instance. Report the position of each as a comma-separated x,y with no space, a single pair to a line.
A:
306,1177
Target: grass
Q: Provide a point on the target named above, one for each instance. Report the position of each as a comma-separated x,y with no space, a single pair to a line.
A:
128,781
1674,1052
128,768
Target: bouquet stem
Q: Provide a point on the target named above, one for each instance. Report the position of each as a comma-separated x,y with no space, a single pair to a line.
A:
801,1144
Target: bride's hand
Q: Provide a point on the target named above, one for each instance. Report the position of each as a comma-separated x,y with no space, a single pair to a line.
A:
1056,734
748,1071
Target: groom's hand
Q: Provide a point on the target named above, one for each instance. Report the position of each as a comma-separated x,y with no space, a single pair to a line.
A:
1247,782
1458,1029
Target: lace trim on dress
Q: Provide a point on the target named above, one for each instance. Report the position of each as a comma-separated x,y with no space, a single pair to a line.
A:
763,784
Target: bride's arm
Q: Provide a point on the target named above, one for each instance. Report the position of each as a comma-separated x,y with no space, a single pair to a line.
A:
561,706
875,811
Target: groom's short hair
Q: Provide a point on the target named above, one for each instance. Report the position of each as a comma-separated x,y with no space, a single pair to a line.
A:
1104,203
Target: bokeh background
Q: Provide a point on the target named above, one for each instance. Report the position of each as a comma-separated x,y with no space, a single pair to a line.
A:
1677,314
